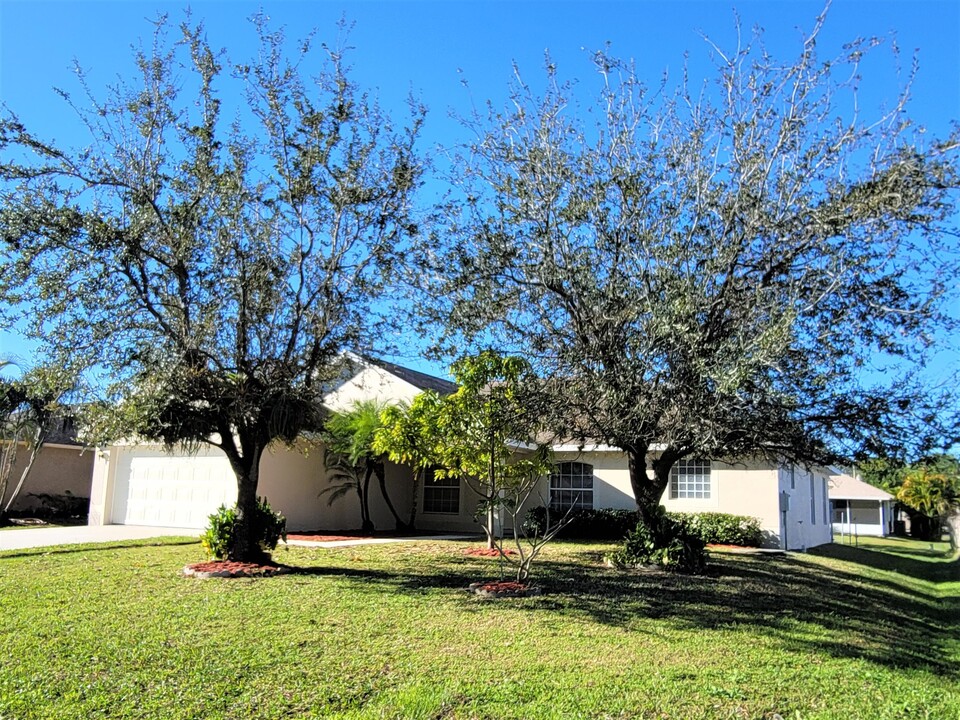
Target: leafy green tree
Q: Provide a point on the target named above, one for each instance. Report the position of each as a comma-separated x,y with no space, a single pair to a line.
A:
707,271
488,430
409,435
213,263
351,455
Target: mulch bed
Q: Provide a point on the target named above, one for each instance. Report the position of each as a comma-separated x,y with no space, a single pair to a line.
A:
489,552
741,549
504,588
326,538
229,569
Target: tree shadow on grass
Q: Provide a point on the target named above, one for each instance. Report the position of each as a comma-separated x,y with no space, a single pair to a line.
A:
167,541
936,569
800,604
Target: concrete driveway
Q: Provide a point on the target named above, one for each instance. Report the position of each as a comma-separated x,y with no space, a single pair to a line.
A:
44,536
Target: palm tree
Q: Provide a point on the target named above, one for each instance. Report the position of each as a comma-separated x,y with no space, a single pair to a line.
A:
351,459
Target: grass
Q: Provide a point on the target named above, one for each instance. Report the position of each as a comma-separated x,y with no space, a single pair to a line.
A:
388,632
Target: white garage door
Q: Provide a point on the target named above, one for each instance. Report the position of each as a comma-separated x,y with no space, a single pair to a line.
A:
154,488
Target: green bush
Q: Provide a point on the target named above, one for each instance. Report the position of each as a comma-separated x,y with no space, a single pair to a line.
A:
664,542
722,528
615,524
603,524
268,528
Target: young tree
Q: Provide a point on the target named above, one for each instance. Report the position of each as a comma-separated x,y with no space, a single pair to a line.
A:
28,406
707,271
349,440
213,262
409,435
488,430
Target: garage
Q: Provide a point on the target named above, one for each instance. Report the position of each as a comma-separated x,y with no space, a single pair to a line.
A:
152,487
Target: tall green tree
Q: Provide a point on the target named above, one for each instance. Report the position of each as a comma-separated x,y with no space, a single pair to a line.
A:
213,263
709,270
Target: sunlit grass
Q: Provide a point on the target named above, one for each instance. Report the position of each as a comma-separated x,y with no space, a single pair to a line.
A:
388,631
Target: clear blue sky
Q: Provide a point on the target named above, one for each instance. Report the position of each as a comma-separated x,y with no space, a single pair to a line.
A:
428,47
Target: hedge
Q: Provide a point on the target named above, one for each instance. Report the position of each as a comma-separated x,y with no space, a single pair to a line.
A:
616,524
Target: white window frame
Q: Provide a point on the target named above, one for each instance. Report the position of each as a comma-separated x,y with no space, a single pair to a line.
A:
571,485
826,502
813,500
690,479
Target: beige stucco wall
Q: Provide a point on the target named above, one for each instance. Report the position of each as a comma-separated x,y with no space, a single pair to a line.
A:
463,521
292,479
743,488
370,383
58,470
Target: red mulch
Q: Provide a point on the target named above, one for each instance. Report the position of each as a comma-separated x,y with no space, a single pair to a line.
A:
488,552
227,568
326,538
719,546
504,586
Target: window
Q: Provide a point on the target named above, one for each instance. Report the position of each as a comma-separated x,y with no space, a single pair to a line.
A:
441,495
826,502
571,486
793,476
690,479
813,501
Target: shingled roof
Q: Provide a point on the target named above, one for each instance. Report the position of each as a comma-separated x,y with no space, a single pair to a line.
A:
847,487
416,378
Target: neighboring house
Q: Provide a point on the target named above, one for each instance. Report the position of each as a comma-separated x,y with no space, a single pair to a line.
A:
860,509
62,470
139,484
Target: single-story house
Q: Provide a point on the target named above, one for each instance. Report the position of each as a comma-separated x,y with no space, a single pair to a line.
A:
140,484
860,509
61,472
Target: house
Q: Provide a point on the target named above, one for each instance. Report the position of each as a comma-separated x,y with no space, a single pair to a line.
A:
790,501
142,484
860,509
60,475
139,484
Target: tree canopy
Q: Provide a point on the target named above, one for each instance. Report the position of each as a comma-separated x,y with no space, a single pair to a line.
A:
710,270
212,268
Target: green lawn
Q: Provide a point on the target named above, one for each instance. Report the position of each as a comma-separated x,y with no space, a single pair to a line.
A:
387,631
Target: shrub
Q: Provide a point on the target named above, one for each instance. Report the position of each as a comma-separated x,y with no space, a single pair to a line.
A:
722,528
604,524
54,506
615,524
664,542
268,528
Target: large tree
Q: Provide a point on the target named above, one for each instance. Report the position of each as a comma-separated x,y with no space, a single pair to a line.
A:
709,270
210,253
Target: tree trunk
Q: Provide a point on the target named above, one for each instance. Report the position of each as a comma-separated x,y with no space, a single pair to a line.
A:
35,445
380,471
245,546
367,525
952,520
646,490
414,500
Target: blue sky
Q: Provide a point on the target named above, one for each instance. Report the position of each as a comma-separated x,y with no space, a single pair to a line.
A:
428,48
